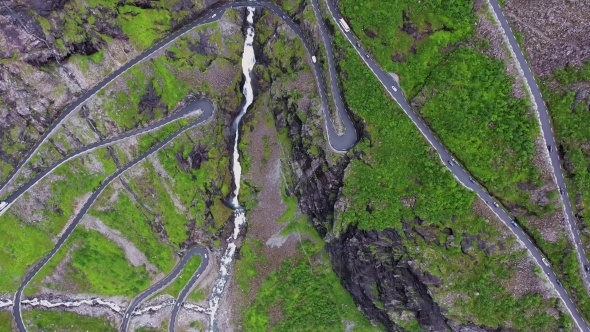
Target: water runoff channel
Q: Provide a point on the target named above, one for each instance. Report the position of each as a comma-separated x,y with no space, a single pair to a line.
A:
248,61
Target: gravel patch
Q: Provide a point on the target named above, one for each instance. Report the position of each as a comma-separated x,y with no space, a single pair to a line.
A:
555,31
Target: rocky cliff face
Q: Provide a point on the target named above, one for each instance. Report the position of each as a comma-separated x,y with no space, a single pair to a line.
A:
372,267
52,51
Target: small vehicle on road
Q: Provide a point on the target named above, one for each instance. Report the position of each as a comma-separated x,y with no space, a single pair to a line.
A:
550,148
205,255
587,268
3,205
513,223
394,88
358,44
313,59
127,316
558,282
213,15
496,204
471,180
545,261
450,163
560,190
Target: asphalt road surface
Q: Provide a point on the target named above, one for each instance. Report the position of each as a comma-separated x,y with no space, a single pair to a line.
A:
128,315
89,93
16,309
547,130
203,104
460,174
339,143
186,290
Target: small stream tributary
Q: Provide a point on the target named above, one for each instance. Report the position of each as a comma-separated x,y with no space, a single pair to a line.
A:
248,61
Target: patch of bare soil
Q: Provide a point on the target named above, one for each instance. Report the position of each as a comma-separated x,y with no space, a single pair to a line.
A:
552,226
262,225
555,31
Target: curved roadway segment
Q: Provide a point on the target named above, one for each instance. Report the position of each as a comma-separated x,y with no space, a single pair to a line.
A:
339,143
547,130
104,82
460,174
16,309
186,290
128,315
188,109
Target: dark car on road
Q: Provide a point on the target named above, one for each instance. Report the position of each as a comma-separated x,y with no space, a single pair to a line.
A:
550,148
587,268
513,223
558,282
471,180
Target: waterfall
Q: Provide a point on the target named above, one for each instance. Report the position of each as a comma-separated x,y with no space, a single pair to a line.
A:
248,61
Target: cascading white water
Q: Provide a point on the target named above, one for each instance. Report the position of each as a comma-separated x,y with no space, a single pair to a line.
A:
248,61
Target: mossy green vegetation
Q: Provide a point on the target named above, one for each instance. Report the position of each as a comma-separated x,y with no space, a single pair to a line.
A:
143,26
41,320
22,245
304,294
247,266
189,270
97,265
126,216
568,109
401,178
469,106
6,320
405,36
463,95
26,241
72,180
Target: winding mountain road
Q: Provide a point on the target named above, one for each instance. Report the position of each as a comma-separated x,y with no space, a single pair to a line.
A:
547,130
339,143
187,110
167,280
460,174
186,290
16,309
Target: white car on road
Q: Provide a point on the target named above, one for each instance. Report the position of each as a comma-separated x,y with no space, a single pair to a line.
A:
394,88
